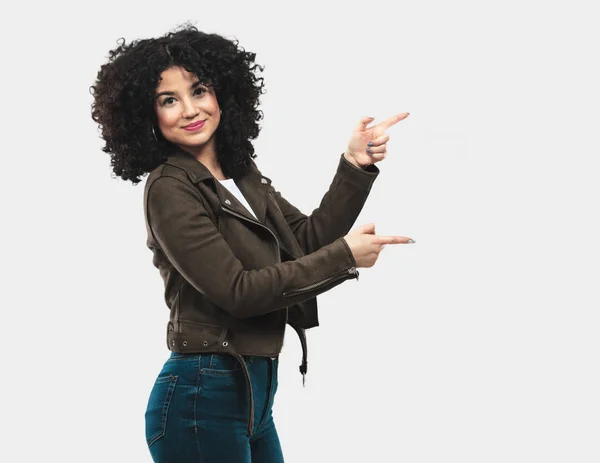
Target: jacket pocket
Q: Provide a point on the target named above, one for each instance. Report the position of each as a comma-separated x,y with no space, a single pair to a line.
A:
158,408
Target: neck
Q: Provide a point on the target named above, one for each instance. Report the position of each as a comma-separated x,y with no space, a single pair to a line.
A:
206,154
211,163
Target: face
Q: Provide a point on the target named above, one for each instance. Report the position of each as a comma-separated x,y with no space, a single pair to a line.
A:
182,100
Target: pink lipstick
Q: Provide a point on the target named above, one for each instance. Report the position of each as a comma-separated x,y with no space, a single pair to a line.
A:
195,126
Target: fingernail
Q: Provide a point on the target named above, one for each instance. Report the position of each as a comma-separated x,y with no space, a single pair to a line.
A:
370,143
411,241
369,151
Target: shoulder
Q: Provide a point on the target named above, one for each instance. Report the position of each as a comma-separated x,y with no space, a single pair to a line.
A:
169,174
170,186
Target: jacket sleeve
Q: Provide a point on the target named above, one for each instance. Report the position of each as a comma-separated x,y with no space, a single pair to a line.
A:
338,210
180,224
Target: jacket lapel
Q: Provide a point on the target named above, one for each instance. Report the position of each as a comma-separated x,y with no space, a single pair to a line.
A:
253,185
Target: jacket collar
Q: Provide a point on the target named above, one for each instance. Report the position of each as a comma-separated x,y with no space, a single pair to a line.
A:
253,185
194,168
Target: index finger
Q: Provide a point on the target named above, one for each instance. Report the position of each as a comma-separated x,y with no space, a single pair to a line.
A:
392,240
393,120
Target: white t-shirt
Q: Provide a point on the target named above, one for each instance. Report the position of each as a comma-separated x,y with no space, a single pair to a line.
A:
233,188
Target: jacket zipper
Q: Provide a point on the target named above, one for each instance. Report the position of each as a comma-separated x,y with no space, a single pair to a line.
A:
236,214
324,281
272,196
256,222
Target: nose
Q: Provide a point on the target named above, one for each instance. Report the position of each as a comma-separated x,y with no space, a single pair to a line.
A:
189,110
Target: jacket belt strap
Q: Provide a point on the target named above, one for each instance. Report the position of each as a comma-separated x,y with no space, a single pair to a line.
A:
250,394
304,365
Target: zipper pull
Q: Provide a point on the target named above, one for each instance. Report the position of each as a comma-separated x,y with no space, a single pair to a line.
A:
353,271
303,379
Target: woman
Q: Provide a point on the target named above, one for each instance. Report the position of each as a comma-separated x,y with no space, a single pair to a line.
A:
239,262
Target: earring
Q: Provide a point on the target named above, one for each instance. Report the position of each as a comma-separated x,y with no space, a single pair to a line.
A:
154,133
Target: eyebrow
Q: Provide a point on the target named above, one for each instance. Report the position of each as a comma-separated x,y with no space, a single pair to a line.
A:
194,85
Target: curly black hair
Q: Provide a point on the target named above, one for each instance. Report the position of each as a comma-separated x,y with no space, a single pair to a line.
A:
125,87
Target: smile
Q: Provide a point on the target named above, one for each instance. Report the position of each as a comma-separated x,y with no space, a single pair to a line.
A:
195,126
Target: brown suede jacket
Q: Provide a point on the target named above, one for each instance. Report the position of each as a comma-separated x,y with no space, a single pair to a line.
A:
232,283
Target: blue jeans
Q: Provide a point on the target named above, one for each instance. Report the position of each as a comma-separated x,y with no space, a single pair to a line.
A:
198,410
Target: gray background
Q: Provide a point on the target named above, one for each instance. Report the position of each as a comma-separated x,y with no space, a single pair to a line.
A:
479,343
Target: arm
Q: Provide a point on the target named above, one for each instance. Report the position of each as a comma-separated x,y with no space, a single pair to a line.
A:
338,210
182,227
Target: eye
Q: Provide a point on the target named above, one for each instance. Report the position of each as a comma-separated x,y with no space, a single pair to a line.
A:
201,90
164,102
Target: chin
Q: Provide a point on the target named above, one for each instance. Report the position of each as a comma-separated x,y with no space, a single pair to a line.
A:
193,139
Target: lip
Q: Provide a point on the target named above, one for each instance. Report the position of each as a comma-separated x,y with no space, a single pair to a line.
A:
194,126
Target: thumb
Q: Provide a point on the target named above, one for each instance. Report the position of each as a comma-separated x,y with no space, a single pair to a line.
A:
362,125
368,228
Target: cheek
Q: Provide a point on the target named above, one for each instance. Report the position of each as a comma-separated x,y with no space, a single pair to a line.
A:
166,119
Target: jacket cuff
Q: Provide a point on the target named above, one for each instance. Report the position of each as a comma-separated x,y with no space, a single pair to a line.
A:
356,174
349,251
